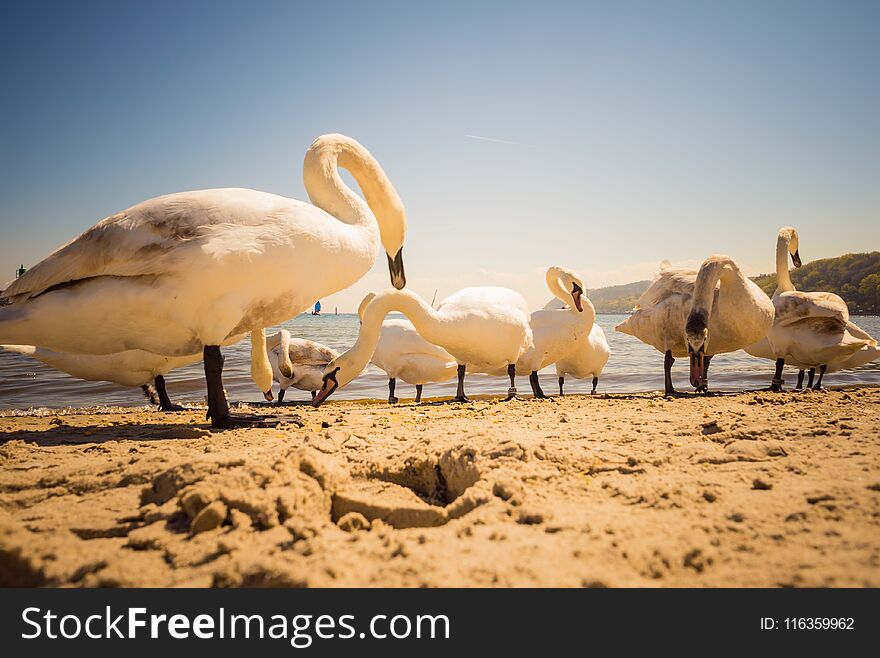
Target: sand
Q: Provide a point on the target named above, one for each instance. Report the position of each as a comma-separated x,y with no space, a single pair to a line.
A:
753,489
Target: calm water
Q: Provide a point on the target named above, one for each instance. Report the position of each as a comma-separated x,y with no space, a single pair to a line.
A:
633,367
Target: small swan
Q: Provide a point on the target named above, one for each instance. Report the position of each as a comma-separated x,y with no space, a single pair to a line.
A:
303,366
128,368
556,331
699,314
186,272
483,328
811,330
403,354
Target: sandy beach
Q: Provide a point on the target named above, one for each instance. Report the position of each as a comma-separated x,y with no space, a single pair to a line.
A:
751,489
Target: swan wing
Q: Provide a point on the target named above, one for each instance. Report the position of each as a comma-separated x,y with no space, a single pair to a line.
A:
161,235
796,306
666,283
306,352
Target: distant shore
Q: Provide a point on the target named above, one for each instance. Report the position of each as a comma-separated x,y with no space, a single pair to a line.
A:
749,489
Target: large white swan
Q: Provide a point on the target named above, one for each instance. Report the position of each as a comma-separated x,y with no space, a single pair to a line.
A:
128,368
483,328
184,273
699,314
556,331
303,366
811,330
403,354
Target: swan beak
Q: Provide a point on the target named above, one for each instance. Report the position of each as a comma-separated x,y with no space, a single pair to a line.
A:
796,258
576,295
395,268
697,365
330,385
268,395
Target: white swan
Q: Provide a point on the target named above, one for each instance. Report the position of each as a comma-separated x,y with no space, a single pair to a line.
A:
483,328
128,368
699,314
812,330
403,354
556,331
184,273
303,367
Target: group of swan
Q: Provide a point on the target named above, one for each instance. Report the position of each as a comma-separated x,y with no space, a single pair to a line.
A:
185,274
174,279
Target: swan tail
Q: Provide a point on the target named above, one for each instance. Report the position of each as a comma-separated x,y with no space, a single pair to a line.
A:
13,327
626,327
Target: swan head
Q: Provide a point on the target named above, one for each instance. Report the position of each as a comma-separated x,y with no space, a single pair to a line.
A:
363,305
571,283
697,336
789,235
339,372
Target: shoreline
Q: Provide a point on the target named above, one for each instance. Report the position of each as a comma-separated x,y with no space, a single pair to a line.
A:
743,489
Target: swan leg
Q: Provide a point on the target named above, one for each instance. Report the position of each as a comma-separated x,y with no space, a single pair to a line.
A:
812,374
667,373
150,393
776,384
536,385
800,383
511,392
595,384
218,406
561,383
418,392
704,382
392,383
314,394
459,393
281,393
818,385
165,403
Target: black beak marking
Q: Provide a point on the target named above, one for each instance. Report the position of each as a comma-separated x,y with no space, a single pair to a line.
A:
395,269
796,258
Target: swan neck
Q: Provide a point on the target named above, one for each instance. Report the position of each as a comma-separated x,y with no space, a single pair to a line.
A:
712,271
328,191
783,276
261,368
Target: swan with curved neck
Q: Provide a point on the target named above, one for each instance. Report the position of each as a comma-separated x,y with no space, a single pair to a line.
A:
699,314
556,331
812,330
483,328
297,362
403,354
205,264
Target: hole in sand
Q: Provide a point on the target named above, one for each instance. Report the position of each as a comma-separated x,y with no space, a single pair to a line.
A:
438,481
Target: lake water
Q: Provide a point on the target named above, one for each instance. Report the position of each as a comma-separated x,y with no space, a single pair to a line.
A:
633,367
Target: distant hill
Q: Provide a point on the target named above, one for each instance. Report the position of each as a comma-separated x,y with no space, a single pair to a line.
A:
855,277
617,299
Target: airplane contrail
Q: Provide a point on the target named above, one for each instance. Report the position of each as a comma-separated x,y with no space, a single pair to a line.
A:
497,141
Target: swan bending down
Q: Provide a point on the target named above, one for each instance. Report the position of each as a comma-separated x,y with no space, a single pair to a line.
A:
128,368
699,314
483,328
588,358
811,329
204,264
556,332
403,354
302,368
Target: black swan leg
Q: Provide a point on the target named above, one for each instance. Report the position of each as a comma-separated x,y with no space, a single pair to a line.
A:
165,403
595,384
561,384
418,392
667,373
459,393
392,383
776,384
511,392
536,385
800,382
818,385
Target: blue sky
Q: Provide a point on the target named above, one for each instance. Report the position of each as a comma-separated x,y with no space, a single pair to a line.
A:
641,131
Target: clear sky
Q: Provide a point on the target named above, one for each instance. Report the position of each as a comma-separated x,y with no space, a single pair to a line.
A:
627,132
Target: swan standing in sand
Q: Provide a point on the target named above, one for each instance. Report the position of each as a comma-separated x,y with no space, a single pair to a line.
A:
587,360
304,365
184,273
699,314
128,368
403,354
483,329
557,331
811,330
